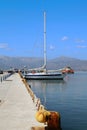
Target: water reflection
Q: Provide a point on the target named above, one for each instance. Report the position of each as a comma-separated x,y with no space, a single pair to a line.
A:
46,82
44,88
69,97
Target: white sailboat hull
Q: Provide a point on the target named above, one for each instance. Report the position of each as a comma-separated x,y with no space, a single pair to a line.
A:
52,76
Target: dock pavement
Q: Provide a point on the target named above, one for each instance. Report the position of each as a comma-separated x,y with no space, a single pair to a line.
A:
17,110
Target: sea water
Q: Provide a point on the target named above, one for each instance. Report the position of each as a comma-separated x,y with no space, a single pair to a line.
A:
68,97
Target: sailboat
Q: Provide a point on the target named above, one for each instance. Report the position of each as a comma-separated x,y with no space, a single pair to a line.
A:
42,73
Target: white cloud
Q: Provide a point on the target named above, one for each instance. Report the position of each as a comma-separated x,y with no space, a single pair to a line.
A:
3,46
80,41
52,47
64,38
80,46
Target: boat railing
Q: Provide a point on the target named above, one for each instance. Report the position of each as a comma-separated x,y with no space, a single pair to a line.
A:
59,70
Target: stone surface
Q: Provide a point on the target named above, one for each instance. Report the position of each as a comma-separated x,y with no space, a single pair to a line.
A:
17,110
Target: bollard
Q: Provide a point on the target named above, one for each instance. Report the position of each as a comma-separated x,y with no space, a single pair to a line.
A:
1,79
53,121
51,118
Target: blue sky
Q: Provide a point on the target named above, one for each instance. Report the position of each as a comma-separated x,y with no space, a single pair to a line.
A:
21,28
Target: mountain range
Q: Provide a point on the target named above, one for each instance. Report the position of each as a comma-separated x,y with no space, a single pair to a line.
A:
7,62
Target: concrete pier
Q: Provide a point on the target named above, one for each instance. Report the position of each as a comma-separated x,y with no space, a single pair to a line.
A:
17,109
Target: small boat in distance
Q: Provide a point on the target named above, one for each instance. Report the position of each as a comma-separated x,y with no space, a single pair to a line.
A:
42,73
67,70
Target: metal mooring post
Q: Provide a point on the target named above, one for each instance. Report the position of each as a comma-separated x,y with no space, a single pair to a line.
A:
53,121
51,118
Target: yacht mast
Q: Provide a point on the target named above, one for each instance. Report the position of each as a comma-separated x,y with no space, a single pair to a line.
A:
45,58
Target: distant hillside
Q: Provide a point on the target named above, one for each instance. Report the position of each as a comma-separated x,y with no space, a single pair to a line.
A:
57,63
19,62
61,62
